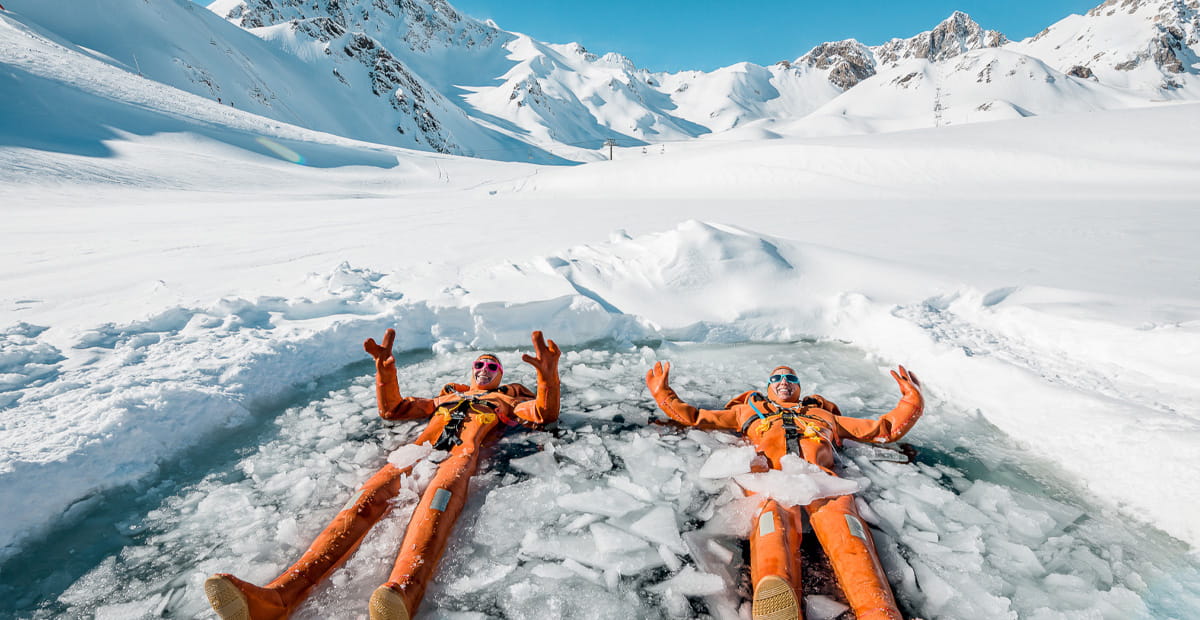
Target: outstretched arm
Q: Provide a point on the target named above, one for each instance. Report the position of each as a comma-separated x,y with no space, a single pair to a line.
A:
543,409
658,381
392,406
892,425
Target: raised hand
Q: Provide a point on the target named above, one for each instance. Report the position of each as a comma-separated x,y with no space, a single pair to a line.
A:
382,352
546,355
909,384
657,378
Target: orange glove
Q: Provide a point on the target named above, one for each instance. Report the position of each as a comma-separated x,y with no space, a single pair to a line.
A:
657,380
546,363
910,387
384,359
895,423
387,389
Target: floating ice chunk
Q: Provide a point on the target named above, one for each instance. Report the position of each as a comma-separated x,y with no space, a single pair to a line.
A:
636,490
733,518
669,557
540,464
582,549
287,532
691,582
475,581
551,570
590,455
937,591
583,571
659,526
821,607
612,540
1014,558
728,462
409,454
797,484
607,502
528,505
447,614
612,579
920,517
718,551
581,522
676,604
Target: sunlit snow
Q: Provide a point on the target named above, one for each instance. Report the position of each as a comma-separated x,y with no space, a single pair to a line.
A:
183,388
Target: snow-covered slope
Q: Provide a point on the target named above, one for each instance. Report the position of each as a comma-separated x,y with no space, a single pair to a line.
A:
323,78
1151,47
421,74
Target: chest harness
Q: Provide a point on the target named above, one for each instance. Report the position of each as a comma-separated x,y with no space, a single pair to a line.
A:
797,423
456,414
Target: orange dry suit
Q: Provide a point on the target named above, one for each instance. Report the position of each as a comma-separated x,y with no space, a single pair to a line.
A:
463,419
812,428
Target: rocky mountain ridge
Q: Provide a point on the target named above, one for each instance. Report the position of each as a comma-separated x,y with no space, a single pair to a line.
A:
421,74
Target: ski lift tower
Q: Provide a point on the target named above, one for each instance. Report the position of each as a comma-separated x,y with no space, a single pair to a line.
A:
939,106
610,143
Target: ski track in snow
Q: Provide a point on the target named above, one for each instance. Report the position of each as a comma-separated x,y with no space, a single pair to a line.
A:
1056,368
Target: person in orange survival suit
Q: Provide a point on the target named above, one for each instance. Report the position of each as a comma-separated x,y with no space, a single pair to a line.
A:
812,428
463,420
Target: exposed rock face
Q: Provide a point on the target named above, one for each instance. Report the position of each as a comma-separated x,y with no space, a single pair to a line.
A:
958,34
1080,71
358,29
849,62
1176,33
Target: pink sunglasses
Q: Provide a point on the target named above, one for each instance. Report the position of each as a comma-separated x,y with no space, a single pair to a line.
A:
491,366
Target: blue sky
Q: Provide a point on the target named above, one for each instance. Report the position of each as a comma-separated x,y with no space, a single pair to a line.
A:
673,35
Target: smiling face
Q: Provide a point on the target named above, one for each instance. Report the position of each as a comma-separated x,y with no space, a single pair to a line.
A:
783,385
486,372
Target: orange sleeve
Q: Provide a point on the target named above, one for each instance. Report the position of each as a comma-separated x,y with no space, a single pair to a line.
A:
542,409
681,412
891,426
393,406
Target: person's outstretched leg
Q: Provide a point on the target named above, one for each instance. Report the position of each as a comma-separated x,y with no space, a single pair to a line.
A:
775,562
425,539
234,599
851,550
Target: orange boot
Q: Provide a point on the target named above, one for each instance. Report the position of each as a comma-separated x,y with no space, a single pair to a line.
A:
425,539
775,562
234,599
851,550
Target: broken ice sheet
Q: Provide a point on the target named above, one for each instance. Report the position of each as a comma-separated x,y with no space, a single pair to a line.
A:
605,501
728,462
797,484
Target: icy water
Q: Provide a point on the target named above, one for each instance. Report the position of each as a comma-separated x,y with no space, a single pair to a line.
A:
605,516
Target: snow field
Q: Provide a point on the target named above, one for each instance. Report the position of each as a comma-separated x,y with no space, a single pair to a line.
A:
609,517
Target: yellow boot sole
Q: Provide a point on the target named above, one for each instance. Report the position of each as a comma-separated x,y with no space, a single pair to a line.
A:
387,604
774,600
226,599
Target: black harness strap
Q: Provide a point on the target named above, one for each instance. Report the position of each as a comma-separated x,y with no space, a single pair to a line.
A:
787,416
452,433
791,430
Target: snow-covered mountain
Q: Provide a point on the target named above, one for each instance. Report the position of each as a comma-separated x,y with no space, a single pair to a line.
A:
1151,47
420,74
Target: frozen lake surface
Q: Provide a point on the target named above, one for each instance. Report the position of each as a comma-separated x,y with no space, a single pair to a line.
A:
605,516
